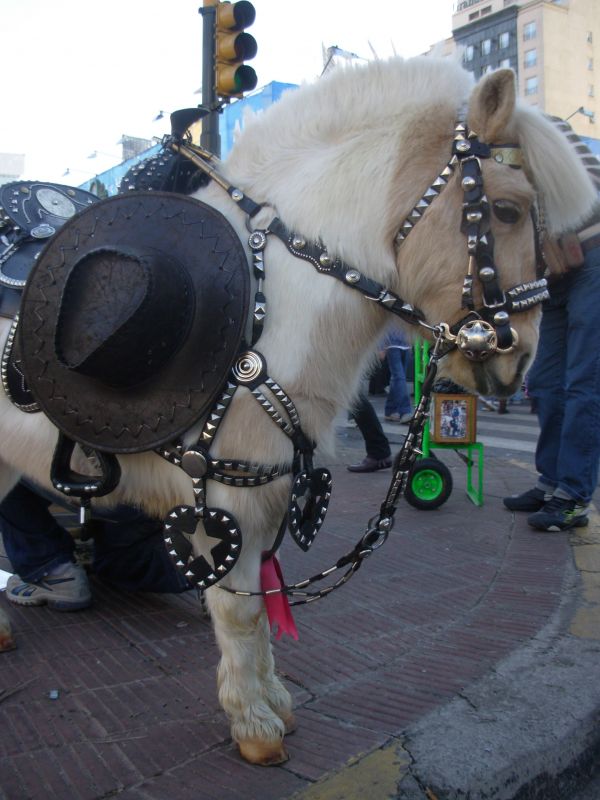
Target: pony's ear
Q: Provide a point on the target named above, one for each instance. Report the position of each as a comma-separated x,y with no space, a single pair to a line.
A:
492,104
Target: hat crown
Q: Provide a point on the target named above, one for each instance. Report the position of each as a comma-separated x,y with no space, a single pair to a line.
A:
123,314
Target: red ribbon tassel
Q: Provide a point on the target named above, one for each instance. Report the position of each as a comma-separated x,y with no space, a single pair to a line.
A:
278,608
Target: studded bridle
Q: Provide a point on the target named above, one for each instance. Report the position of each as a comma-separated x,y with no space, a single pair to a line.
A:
485,330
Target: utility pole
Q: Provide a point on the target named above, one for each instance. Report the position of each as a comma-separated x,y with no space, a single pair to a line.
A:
225,47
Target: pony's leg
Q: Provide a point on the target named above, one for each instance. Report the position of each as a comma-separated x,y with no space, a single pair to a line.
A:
276,695
239,627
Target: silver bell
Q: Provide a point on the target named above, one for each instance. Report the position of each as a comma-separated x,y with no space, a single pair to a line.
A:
477,340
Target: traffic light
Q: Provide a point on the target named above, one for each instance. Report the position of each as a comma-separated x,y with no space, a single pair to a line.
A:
233,46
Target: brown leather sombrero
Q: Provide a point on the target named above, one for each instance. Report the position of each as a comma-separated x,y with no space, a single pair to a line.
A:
132,318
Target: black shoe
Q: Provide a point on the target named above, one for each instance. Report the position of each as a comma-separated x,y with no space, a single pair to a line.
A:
369,464
531,500
559,514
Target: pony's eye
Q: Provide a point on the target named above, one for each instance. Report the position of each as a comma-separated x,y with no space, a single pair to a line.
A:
506,211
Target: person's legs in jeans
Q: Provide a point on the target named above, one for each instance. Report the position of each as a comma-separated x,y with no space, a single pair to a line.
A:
35,543
398,399
130,553
376,443
41,554
546,384
579,447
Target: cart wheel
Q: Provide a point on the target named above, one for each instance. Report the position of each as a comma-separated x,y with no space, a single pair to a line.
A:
429,484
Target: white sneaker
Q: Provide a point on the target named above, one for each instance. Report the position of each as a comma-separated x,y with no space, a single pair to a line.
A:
400,419
64,589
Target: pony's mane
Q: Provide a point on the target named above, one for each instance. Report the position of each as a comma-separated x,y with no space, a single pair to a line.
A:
344,137
351,98
323,133
557,172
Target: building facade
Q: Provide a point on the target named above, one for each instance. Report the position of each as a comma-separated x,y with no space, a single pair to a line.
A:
550,44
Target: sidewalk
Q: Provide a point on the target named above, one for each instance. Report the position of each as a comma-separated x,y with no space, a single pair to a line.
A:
461,661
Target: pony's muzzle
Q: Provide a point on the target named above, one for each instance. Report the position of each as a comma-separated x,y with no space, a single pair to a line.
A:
477,340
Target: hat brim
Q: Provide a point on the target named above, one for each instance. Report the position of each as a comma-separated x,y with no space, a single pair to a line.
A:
170,402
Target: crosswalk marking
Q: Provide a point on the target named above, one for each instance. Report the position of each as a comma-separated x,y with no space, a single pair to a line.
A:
507,444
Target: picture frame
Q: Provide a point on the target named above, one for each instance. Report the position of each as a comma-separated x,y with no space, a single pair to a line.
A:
453,419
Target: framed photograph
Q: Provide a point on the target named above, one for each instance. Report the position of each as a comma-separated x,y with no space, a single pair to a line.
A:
453,419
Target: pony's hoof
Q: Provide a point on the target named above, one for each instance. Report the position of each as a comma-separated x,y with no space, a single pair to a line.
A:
266,754
290,724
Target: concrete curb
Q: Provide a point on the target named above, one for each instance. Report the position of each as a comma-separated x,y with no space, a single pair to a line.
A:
529,730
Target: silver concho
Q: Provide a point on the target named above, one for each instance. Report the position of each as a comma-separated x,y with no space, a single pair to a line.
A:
248,367
43,231
55,203
194,463
477,340
257,240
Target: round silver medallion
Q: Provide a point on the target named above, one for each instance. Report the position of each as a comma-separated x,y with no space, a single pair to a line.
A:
55,203
257,240
43,231
248,367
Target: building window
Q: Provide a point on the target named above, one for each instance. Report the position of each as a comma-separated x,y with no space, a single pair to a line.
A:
486,10
469,53
487,68
529,31
590,64
530,58
591,90
505,63
473,16
531,85
590,37
504,40
486,47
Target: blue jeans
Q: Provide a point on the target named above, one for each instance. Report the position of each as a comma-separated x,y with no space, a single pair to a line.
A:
129,551
398,399
564,383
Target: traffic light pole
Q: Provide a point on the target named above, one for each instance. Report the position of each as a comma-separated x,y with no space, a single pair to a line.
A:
210,138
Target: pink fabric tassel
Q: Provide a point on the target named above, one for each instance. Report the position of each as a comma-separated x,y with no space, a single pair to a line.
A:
278,608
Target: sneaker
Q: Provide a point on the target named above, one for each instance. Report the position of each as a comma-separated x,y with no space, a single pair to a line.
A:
559,514
531,500
67,591
399,419
369,464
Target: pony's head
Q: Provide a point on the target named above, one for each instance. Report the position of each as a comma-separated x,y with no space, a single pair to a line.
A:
369,161
478,226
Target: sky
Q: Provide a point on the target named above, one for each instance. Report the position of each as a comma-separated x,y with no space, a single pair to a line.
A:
79,74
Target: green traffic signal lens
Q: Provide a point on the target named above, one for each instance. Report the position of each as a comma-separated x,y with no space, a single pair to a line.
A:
245,79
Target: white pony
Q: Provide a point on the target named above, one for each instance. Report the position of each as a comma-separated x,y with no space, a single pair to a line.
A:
343,161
